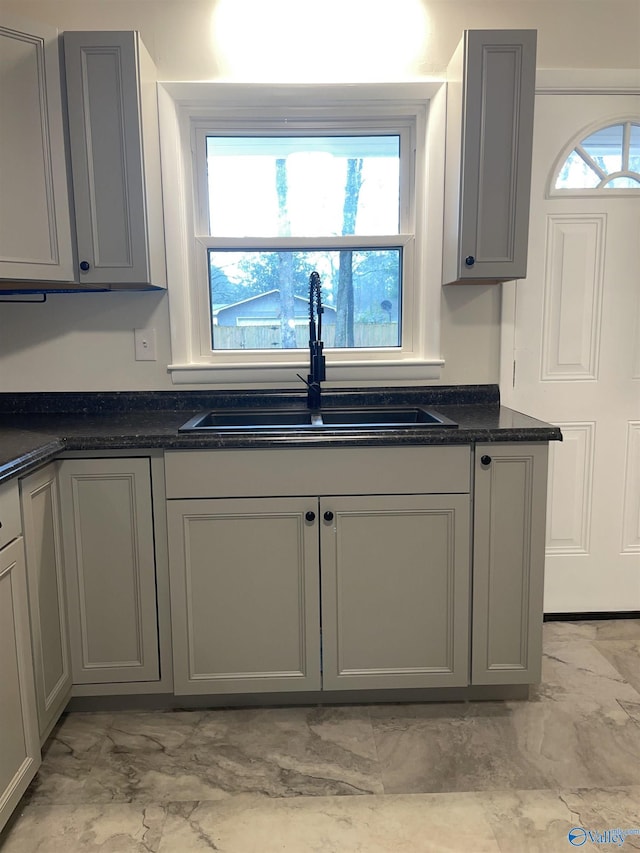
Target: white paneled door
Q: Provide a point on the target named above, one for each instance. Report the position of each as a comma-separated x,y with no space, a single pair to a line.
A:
571,356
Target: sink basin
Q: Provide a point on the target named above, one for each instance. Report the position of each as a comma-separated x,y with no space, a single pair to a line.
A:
387,417
331,418
248,418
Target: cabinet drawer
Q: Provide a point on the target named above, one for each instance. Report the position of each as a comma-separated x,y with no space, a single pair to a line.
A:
317,471
10,525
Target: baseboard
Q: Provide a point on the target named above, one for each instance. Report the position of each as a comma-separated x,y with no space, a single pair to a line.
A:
582,617
158,702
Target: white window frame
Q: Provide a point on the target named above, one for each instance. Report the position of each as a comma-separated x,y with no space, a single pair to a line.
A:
187,110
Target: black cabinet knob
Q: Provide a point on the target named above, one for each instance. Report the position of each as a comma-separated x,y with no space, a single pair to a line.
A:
469,260
328,516
310,516
486,460
85,265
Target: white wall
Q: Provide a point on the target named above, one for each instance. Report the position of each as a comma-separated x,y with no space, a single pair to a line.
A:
85,342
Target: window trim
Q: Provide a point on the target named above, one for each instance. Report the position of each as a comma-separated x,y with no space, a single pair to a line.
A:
185,106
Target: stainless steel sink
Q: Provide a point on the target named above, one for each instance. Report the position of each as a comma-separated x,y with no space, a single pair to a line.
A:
330,418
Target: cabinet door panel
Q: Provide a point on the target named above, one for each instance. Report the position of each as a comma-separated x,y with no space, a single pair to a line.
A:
491,89
395,591
49,638
115,160
244,593
35,231
19,744
110,565
509,533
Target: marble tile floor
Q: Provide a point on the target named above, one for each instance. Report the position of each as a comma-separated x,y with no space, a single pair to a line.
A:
471,776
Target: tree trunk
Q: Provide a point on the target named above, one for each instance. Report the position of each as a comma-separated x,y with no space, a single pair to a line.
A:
344,296
285,261
344,301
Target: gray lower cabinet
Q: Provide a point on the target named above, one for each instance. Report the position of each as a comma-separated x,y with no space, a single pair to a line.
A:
45,578
395,591
245,590
19,742
110,569
508,559
244,595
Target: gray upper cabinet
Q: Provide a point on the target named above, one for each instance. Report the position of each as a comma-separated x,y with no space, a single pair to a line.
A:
99,225
490,101
35,229
115,160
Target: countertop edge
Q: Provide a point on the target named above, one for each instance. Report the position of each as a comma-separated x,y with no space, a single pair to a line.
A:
51,447
31,459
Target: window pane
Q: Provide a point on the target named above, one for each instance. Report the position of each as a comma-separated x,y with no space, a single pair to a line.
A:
576,174
634,149
605,146
259,299
307,186
623,183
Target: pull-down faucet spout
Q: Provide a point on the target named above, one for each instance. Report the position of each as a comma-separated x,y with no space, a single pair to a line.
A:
317,371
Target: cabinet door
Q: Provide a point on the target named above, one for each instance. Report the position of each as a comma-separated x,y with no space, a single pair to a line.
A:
35,231
115,161
395,591
490,100
19,743
508,562
110,569
244,595
49,637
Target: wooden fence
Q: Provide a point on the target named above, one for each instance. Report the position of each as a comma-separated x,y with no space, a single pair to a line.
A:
268,337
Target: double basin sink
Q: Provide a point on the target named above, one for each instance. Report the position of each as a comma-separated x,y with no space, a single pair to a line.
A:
362,417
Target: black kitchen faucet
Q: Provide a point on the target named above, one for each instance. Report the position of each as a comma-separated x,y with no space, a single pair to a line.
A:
317,372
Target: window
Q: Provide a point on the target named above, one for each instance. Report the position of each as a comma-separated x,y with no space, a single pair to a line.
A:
335,188
606,159
275,185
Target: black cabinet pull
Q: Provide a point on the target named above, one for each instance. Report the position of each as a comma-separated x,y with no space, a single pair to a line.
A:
328,516
85,265
486,460
469,260
310,516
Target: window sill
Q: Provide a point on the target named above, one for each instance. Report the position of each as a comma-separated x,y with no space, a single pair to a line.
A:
385,372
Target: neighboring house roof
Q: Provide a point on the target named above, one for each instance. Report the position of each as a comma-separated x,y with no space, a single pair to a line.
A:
265,305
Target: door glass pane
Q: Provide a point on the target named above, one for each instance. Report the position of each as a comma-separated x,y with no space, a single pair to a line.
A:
634,148
576,173
623,183
303,186
605,147
259,299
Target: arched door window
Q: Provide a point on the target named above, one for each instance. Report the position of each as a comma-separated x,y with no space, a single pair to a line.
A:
605,159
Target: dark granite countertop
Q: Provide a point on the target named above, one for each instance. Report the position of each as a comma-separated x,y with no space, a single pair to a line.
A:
35,428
